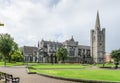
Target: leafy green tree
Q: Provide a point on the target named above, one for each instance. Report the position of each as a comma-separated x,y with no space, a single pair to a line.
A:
0,57
14,49
62,54
115,54
7,45
17,56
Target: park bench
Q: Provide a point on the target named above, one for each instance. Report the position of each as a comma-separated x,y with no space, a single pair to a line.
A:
2,75
8,78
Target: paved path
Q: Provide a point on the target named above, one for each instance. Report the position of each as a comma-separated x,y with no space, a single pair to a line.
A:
21,72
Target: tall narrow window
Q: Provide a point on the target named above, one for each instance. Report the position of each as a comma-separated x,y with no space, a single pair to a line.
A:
72,51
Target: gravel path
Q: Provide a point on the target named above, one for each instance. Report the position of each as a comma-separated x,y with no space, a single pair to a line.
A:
21,72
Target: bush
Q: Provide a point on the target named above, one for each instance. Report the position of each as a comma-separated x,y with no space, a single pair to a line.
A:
17,56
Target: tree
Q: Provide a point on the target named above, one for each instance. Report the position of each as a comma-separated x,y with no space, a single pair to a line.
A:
115,54
62,54
17,56
7,45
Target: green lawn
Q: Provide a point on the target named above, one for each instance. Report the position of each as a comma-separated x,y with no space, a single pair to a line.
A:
85,72
38,66
106,65
11,64
48,65
91,74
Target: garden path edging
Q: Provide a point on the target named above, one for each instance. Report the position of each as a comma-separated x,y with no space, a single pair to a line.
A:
76,80
71,79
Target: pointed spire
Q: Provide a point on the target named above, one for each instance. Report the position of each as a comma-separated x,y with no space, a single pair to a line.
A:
42,39
72,39
97,25
38,44
72,36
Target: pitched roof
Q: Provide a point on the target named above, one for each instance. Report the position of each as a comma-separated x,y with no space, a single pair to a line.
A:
29,49
52,43
83,46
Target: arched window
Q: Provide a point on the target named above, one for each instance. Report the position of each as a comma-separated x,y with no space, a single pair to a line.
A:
72,51
79,52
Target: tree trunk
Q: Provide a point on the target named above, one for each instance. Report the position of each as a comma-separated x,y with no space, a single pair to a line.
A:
5,61
63,60
116,65
9,59
103,64
55,59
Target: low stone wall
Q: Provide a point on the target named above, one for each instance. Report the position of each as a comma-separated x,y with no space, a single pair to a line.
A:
77,80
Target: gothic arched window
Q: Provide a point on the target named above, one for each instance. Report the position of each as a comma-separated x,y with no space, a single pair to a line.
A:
72,51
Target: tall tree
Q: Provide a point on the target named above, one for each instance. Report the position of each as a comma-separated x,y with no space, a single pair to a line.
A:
62,54
17,56
7,45
13,50
115,54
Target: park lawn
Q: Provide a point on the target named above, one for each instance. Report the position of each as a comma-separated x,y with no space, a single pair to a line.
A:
40,66
106,65
88,74
48,65
12,64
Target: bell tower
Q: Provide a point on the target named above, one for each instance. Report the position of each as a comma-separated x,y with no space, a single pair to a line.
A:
98,42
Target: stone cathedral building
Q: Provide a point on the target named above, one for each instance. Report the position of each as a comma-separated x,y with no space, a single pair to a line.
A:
46,50
98,42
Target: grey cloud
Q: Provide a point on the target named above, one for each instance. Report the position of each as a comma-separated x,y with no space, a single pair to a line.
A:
30,21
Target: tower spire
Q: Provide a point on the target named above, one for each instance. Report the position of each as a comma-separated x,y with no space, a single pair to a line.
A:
72,39
97,25
38,44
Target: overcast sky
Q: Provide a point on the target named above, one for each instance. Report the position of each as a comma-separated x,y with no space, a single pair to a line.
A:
29,21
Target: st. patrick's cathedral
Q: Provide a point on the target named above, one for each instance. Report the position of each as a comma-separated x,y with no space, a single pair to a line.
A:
46,50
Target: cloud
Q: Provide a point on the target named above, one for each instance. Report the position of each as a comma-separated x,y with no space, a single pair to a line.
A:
29,21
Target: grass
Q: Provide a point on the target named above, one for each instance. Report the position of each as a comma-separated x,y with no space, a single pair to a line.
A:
85,72
106,65
48,65
93,74
40,66
12,64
